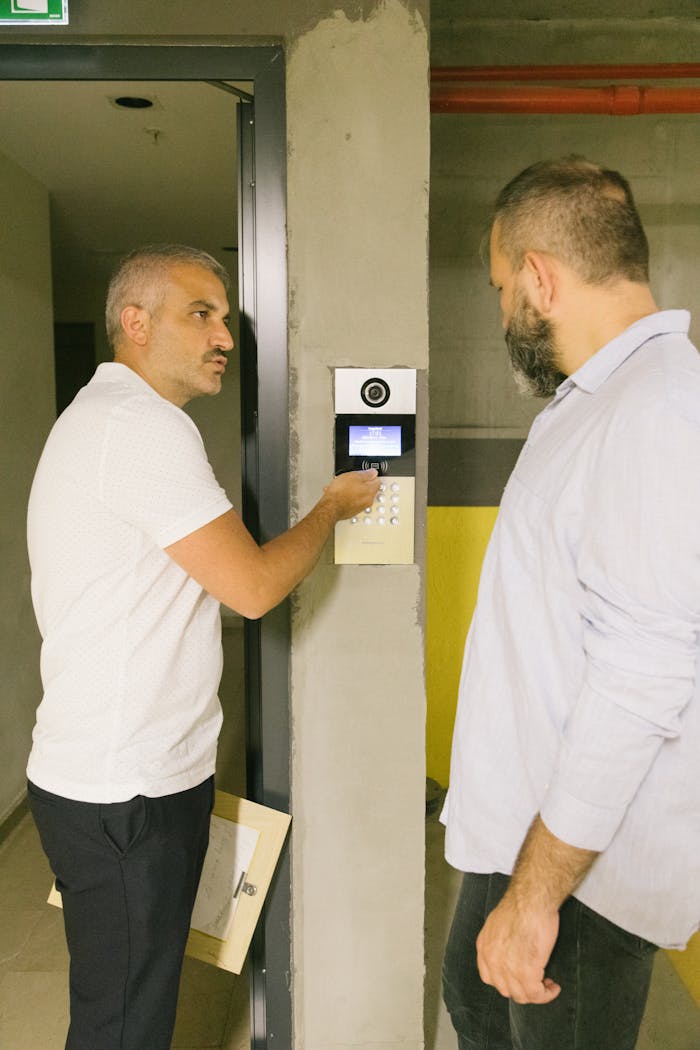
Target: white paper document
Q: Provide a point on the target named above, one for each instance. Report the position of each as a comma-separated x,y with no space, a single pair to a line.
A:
40,6
231,848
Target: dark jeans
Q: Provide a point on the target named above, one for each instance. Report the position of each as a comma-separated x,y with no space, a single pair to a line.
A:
128,873
603,971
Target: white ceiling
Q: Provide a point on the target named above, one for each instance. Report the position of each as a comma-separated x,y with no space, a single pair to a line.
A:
118,177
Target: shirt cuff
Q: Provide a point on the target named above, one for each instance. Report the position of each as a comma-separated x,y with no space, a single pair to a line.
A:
191,522
578,823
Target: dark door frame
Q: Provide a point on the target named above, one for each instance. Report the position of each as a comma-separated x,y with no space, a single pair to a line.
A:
263,294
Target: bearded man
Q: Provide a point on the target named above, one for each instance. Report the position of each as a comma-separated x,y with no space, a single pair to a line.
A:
574,800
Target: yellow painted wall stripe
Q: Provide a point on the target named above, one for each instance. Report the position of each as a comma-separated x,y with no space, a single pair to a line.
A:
456,542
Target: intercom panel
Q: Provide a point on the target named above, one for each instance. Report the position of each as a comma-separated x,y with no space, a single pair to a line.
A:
375,426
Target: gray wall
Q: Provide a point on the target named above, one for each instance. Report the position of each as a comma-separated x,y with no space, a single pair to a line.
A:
27,411
357,119
544,32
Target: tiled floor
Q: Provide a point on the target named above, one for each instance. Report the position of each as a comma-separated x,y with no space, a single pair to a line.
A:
213,1010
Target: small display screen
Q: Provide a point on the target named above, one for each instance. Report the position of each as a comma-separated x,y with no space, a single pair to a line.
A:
374,441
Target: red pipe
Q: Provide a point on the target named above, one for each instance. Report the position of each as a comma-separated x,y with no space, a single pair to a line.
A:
614,100
670,71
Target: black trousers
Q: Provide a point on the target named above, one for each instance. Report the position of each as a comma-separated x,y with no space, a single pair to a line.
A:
128,873
604,973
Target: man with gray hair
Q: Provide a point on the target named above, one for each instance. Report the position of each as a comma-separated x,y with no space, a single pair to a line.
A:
133,545
574,799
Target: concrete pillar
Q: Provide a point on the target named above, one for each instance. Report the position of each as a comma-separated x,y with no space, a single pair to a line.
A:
358,168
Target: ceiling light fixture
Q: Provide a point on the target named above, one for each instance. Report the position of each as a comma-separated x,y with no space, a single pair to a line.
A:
133,102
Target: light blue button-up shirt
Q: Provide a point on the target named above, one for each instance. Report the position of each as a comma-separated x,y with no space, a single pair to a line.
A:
580,693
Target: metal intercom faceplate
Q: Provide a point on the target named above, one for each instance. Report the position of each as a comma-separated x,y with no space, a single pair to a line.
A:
375,427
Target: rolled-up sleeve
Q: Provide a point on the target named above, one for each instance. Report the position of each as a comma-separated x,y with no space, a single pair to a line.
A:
639,576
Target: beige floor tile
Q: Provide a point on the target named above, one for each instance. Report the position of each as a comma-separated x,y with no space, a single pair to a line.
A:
442,888
203,1006
45,948
33,1011
16,928
26,875
237,1034
671,1020
31,931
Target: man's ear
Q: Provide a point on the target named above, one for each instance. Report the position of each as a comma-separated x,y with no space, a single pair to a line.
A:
540,274
135,324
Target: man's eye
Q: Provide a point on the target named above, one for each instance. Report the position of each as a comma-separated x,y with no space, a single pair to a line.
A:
201,313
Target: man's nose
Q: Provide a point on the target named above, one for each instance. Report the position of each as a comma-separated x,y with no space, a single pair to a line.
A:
223,338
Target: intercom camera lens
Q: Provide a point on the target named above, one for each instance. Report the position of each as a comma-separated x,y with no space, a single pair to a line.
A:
375,393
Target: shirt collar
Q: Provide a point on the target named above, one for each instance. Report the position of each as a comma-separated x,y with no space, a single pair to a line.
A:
593,373
116,372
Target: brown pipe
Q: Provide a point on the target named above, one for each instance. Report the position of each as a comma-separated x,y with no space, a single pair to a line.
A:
669,71
614,100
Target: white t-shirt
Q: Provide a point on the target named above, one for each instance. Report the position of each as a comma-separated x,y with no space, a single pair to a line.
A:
131,655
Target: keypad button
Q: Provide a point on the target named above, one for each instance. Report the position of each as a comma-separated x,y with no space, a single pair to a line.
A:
394,521
367,521
395,487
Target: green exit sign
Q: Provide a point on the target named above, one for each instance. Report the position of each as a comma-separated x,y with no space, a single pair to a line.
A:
33,12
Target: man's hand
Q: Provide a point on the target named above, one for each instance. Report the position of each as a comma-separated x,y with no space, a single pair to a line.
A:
519,935
513,949
351,493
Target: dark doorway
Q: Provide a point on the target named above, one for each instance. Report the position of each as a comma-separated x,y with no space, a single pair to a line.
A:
74,359
262,290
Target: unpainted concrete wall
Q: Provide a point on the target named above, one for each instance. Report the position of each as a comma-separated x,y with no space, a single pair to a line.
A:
357,298
543,32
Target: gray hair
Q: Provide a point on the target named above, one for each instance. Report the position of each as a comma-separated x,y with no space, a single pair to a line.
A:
140,279
577,211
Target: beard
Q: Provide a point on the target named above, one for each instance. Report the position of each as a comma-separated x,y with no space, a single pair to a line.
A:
532,348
